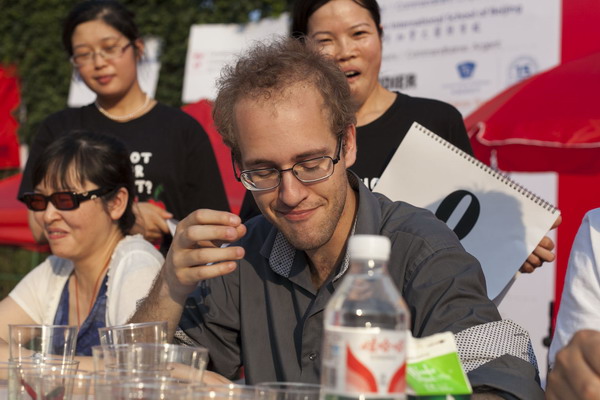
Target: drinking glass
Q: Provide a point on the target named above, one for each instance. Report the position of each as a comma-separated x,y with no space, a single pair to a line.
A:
123,360
112,357
287,391
111,387
5,368
26,379
183,362
145,332
78,386
224,392
151,359
27,342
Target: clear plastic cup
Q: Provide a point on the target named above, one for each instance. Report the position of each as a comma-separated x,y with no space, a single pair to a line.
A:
111,357
224,392
78,386
26,379
5,370
287,391
145,332
183,362
110,387
35,342
151,359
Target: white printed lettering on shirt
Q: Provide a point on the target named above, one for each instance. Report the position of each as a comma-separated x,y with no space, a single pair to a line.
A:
143,185
138,171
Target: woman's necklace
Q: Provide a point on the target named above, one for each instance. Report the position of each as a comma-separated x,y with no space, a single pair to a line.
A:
124,117
93,293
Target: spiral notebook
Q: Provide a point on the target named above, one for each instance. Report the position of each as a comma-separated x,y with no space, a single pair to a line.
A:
497,220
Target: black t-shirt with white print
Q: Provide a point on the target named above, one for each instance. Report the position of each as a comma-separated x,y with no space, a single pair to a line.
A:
172,158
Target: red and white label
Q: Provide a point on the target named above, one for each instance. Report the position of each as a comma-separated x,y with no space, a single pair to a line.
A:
366,361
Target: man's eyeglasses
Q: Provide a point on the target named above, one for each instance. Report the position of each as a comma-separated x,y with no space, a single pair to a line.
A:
307,171
84,57
63,201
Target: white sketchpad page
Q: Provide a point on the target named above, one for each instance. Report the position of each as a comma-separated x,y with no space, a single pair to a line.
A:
497,220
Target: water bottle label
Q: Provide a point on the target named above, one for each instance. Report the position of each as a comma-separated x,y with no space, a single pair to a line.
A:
366,361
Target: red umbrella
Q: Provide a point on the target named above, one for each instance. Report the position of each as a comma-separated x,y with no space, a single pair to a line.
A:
14,229
9,101
549,122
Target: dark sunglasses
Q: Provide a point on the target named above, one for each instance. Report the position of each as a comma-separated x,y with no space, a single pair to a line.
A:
63,201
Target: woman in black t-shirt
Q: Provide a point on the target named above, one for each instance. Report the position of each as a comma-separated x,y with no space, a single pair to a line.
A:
174,166
350,32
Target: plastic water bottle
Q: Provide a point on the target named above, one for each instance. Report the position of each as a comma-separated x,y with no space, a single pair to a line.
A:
366,328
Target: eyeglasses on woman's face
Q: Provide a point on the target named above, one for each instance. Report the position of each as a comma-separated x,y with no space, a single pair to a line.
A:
85,55
63,201
307,171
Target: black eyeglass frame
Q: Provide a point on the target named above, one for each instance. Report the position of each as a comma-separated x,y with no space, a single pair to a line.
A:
335,160
77,198
102,54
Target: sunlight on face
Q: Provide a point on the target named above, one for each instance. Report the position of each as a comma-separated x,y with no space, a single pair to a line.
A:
279,132
105,77
75,234
346,31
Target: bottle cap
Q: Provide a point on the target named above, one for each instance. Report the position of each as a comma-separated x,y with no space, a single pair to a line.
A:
369,247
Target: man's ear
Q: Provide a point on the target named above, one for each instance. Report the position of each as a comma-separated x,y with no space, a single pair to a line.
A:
237,165
349,144
118,203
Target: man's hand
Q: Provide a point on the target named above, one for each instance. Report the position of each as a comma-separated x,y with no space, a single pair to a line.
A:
212,378
196,253
150,221
196,244
542,253
576,373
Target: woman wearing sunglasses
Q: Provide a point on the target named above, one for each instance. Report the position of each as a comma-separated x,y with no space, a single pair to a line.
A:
82,199
174,165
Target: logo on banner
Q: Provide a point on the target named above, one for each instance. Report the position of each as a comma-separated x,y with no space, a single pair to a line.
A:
465,81
466,69
521,68
402,81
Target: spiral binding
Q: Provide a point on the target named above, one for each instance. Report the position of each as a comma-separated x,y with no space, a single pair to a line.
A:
496,174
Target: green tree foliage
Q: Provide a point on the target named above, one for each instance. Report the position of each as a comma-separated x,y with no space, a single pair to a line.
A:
30,39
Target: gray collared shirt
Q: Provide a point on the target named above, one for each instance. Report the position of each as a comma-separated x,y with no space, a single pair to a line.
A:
268,316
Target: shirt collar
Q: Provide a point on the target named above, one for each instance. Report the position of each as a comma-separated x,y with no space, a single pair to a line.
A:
281,257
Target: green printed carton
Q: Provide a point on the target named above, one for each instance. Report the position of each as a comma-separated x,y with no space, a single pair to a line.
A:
434,370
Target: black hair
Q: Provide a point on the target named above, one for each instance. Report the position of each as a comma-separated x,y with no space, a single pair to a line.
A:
100,159
110,12
303,9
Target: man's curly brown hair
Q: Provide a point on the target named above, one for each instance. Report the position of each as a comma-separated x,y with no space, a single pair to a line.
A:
266,70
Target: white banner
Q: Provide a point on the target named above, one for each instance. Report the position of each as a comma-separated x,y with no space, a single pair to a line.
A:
466,51
212,46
